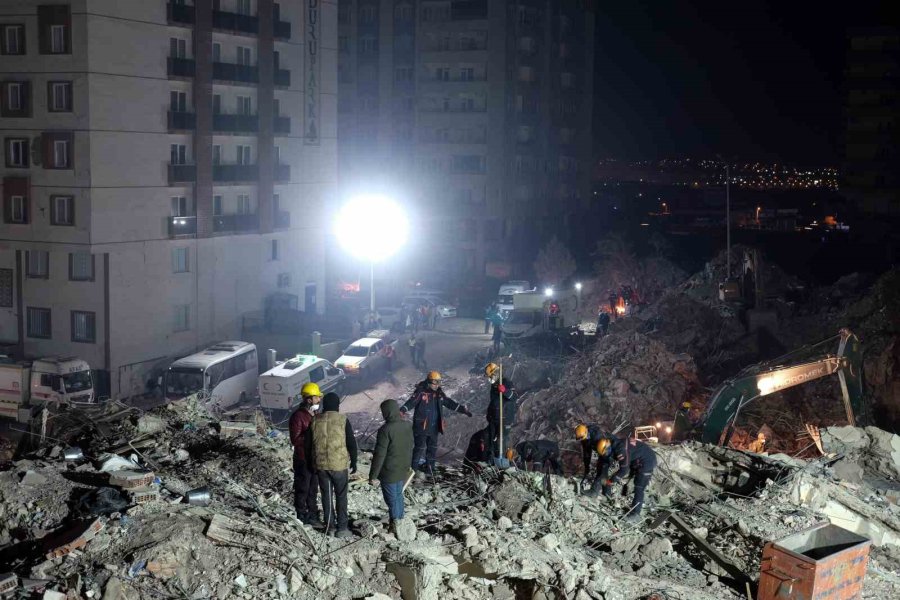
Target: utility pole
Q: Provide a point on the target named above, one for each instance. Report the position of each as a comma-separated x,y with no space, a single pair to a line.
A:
728,219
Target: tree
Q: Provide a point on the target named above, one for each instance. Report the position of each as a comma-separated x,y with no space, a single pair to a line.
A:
554,263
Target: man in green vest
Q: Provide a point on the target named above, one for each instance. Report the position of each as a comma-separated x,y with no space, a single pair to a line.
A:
333,450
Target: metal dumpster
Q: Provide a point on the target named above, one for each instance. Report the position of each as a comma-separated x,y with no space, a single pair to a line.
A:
822,562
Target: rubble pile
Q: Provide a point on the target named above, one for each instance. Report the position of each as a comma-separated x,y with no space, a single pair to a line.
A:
467,534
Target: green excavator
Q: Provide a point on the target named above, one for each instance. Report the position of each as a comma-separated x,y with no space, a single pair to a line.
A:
793,369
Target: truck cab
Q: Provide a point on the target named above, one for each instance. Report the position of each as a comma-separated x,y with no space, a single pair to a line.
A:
506,295
65,380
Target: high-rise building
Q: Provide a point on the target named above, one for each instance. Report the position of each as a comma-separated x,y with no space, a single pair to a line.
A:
164,170
476,114
871,172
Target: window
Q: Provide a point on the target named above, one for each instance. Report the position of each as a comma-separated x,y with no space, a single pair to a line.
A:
403,74
344,14
182,320
368,44
15,209
316,375
178,48
13,39
217,154
216,52
243,105
276,155
15,99
217,205
284,280
84,327
38,322
243,56
243,204
183,206
467,74
442,74
61,150
343,43
59,96
81,266
58,39
368,14
217,104
243,155
177,101
276,107
17,152
180,260
37,264
243,7
178,154
62,210
6,288
404,12
274,249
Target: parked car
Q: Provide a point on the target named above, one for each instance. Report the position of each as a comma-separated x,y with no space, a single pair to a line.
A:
444,309
364,358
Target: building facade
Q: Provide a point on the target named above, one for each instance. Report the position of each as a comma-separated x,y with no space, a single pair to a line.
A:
165,167
474,113
871,170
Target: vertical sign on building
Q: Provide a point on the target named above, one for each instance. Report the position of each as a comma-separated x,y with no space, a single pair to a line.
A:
313,68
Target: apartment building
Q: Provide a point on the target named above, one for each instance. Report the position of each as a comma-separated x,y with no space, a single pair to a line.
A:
871,172
474,113
165,168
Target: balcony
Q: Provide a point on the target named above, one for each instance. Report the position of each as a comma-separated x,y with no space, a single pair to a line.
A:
179,226
282,173
235,123
181,121
282,125
234,22
282,78
180,14
281,219
282,30
180,67
182,173
235,173
235,223
234,73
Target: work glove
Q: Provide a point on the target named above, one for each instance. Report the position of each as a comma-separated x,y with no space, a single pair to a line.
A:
502,388
585,483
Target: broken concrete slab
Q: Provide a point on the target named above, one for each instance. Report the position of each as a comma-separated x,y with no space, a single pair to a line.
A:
33,479
838,440
148,424
657,548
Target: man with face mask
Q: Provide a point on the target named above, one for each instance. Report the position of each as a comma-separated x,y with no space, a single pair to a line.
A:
305,481
500,387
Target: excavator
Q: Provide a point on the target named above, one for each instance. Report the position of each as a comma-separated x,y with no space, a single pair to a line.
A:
717,424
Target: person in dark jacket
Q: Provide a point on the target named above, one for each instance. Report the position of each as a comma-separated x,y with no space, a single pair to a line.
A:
488,314
588,435
478,450
500,387
496,339
602,323
333,449
545,452
392,457
636,461
305,479
681,428
428,400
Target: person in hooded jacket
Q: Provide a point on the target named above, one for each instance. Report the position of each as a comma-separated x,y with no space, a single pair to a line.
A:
428,399
333,449
500,387
392,457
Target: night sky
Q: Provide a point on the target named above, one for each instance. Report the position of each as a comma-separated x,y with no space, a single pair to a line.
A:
752,80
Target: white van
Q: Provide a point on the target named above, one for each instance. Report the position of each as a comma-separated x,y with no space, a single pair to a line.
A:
505,295
224,374
279,387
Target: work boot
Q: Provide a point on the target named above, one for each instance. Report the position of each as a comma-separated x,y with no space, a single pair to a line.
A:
343,533
314,521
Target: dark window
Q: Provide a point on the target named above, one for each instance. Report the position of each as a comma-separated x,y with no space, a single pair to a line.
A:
57,150
59,96
81,266
55,29
15,200
84,327
16,150
12,39
62,210
37,264
6,288
38,323
15,102
274,249
316,375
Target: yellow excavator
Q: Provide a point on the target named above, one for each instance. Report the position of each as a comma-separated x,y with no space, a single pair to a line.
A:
795,368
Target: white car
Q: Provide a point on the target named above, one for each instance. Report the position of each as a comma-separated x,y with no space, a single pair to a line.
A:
364,358
444,309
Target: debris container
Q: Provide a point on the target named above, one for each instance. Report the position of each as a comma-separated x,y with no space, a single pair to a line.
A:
824,561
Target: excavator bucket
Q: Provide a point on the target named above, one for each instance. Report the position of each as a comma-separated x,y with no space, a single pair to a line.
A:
722,408
851,377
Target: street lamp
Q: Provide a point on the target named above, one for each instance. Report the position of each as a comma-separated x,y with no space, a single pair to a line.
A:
577,294
548,292
371,228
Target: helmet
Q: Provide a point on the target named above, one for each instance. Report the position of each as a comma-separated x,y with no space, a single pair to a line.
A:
581,432
686,404
603,446
490,369
434,376
310,389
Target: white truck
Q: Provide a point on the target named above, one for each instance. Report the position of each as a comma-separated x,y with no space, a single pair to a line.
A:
46,381
527,317
506,294
279,387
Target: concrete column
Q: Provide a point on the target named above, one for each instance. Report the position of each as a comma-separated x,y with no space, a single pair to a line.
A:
203,188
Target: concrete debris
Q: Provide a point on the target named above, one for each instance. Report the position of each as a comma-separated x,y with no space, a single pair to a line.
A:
32,478
148,424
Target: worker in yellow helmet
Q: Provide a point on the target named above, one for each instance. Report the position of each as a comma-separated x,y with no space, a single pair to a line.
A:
636,461
428,400
500,387
588,435
305,479
682,426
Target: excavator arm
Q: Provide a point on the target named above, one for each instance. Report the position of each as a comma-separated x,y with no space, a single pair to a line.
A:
727,402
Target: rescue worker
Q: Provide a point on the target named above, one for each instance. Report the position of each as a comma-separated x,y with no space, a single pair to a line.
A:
413,354
333,450
613,301
602,323
488,315
588,435
478,450
636,461
420,354
390,461
389,357
545,452
306,483
505,388
428,399
759,444
681,427
496,338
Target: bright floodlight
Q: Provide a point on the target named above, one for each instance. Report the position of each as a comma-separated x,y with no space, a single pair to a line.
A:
578,286
548,292
371,227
